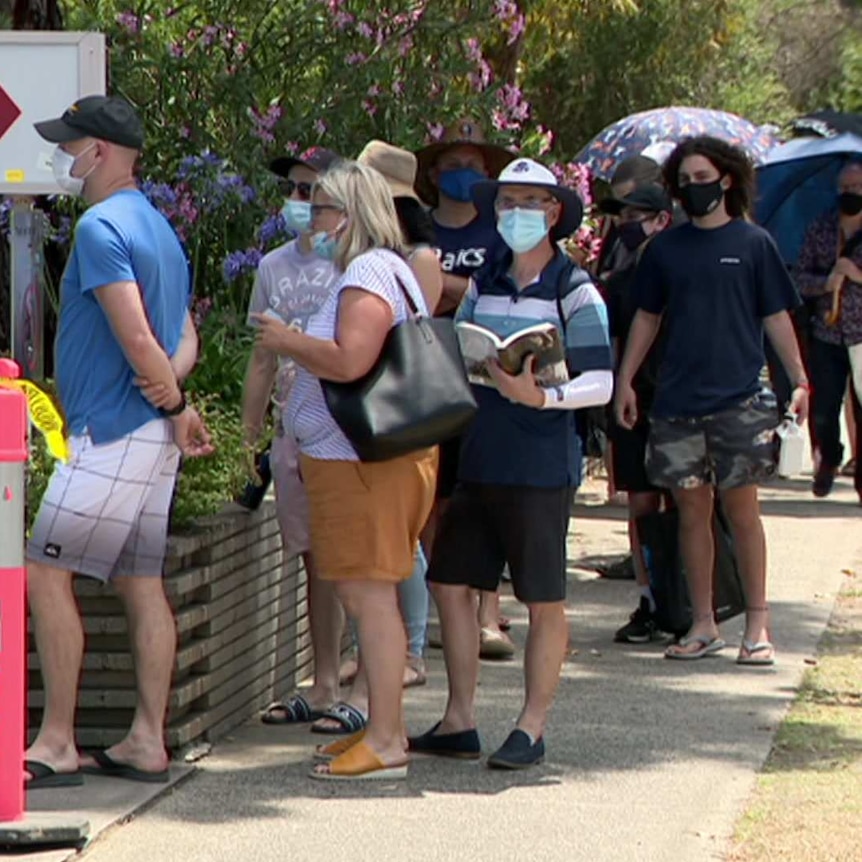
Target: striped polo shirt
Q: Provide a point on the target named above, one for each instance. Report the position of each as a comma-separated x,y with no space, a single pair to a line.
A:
512,444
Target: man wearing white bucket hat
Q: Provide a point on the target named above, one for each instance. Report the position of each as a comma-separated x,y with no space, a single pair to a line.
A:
518,462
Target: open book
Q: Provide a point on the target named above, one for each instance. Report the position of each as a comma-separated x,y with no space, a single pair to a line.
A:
542,340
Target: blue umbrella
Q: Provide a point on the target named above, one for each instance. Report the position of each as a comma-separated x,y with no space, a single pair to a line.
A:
631,135
798,183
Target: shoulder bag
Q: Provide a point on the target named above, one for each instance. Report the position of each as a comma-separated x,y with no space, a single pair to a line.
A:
416,395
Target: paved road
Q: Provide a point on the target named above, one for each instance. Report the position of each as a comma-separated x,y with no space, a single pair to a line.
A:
648,760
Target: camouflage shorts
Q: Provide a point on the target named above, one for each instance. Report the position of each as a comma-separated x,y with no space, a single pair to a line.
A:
730,449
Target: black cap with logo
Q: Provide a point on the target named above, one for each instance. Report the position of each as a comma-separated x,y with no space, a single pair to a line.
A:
650,197
319,159
109,118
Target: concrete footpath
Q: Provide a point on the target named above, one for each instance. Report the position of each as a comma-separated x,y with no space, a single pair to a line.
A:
648,760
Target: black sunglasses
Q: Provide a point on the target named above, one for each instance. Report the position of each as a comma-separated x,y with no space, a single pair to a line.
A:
304,189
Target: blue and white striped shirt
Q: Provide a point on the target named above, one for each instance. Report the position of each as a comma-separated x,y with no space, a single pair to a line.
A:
512,444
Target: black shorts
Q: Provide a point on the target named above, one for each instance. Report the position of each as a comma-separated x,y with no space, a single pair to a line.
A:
628,455
486,526
447,472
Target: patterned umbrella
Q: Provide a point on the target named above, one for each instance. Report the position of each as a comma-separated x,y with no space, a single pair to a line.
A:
632,135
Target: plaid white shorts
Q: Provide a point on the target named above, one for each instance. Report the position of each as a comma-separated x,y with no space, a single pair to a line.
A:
105,513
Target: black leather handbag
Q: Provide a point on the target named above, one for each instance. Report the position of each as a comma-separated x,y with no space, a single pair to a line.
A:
416,395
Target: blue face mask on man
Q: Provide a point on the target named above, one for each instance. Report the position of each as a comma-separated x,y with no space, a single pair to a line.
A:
296,215
522,229
457,183
324,244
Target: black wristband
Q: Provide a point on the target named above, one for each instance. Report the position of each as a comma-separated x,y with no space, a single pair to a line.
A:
175,411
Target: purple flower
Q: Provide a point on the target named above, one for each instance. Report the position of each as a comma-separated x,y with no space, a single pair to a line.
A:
238,263
177,50
320,127
365,29
129,22
435,131
369,107
272,228
355,59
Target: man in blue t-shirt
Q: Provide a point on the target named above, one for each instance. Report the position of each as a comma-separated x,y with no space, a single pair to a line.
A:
717,283
125,339
517,472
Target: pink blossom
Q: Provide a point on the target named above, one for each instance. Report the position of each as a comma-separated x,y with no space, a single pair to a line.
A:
516,28
405,46
185,132
342,20
398,88
177,50
374,90
320,126
474,50
210,34
355,58
369,107
291,148
129,22
547,140
435,131
365,29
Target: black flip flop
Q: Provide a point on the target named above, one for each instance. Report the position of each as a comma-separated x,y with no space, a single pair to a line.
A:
296,710
347,715
110,768
45,776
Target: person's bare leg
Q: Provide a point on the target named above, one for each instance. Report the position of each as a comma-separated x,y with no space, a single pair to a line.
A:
459,624
153,638
547,641
489,610
742,508
383,647
60,644
326,623
697,546
640,504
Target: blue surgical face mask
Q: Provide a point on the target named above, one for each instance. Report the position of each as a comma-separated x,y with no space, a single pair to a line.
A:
323,244
456,184
297,215
522,229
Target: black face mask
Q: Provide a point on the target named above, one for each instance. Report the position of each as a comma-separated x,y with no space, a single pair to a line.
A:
850,203
700,199
632,234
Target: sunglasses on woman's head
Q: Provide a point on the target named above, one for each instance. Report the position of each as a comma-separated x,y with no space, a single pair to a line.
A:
304,189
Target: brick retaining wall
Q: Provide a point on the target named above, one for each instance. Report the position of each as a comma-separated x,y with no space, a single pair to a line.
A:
242,632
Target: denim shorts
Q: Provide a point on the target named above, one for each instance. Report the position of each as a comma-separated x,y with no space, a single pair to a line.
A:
730,449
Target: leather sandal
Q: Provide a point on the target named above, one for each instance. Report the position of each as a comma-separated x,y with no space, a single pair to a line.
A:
359,763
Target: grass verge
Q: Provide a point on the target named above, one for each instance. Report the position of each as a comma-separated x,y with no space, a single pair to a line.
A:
807,805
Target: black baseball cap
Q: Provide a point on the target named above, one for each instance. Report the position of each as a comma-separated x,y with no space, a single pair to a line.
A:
650,197
319,159
109,118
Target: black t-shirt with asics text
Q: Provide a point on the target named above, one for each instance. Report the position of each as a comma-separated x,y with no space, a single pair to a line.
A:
714,287
465,250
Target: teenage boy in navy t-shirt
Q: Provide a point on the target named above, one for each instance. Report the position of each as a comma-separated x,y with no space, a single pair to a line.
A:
718,283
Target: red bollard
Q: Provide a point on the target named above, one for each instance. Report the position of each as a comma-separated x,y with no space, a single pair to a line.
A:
13,660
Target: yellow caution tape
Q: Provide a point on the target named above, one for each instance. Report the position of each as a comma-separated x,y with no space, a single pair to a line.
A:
44,415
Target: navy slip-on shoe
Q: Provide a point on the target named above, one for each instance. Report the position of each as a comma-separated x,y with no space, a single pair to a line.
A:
464,744
517,752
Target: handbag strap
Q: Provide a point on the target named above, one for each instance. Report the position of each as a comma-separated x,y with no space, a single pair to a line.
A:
414,309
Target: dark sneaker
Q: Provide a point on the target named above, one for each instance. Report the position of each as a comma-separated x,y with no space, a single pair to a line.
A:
640,628
823,479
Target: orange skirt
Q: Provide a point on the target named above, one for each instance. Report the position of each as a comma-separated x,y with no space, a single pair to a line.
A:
366,517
